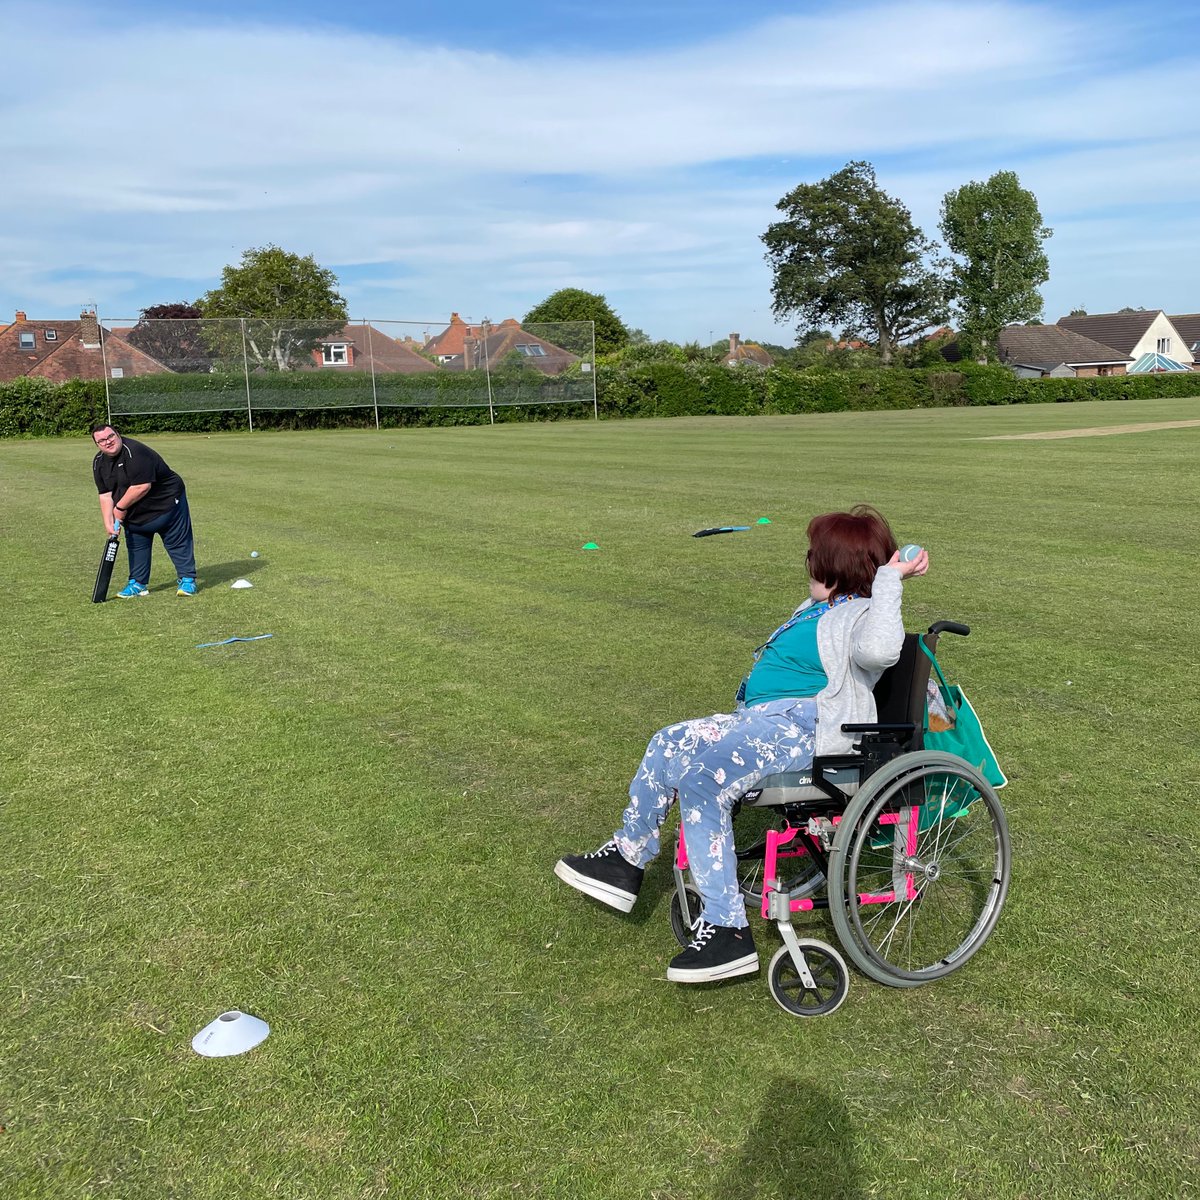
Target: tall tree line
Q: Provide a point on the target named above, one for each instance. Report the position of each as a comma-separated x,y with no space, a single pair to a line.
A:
846,253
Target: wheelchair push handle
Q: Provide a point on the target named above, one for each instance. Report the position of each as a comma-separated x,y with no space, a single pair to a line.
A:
949,627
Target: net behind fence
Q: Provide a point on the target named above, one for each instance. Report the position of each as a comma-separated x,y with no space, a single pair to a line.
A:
252,364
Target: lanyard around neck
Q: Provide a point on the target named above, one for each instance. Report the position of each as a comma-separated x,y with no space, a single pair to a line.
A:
811,613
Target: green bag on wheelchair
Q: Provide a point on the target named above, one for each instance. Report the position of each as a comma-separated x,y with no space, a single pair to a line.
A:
952,725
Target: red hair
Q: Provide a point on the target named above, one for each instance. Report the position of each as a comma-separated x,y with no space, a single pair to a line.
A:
845,549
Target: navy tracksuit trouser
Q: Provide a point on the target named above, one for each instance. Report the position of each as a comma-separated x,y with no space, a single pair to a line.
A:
175,529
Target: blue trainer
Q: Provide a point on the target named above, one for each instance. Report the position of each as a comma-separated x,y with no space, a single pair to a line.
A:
131,589
187,586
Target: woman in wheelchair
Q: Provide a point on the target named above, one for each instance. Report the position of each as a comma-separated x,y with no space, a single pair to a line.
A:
814,674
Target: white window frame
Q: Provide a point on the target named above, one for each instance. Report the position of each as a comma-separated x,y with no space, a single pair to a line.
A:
51,335
531,350
330,351
1164,345
26,341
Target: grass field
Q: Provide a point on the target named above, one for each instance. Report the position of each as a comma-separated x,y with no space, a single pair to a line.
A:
349,829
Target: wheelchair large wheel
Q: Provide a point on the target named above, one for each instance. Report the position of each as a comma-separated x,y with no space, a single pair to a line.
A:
800,875
953,869
829,974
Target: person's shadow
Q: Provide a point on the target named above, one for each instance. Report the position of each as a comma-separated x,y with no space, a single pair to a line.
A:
210,574
801,1145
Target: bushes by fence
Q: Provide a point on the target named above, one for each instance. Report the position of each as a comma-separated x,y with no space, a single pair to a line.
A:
34,407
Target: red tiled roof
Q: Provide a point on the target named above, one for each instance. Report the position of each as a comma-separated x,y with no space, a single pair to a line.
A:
450,340
65,357
388,354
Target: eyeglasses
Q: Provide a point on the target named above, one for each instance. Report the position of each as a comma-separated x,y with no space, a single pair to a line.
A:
103,441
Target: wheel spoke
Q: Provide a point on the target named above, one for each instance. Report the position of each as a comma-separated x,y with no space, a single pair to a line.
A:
958,873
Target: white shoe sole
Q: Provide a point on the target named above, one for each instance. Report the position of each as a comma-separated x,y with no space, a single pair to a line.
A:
614,897
746,965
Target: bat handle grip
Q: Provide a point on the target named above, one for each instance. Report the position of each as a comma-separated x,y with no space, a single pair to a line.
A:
116,526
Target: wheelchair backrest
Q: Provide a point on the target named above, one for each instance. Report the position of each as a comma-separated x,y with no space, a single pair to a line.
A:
900,692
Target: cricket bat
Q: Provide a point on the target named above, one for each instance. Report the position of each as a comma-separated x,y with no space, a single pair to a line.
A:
104,575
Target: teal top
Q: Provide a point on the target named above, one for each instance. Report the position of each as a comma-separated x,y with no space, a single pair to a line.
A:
789,665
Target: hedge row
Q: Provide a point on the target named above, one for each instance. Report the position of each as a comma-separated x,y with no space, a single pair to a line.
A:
34,407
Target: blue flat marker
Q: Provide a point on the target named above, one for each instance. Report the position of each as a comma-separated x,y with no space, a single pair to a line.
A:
257,638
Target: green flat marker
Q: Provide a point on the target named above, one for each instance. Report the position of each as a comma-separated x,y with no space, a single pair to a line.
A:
763,521
590,546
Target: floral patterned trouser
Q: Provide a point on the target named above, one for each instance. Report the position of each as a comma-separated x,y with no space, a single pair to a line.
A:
710,762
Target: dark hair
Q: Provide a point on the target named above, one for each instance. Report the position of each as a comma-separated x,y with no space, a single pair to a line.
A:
99,425
845,549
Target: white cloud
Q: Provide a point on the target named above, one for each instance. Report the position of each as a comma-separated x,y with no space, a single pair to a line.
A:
158,152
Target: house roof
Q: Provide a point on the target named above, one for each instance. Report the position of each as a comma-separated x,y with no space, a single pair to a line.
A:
750,352
65,356
1188,326
1121,331
1049,346
450,340
389,354
500,341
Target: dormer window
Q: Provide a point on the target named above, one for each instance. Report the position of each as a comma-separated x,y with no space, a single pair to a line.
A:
26,341
531,350
51,335
335,354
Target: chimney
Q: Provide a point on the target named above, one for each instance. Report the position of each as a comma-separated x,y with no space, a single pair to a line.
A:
455,319
21,317
89,330
470,353
734,339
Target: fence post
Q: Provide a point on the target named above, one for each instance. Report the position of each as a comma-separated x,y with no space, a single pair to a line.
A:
595,401
371,355
487,370
246,372
104,366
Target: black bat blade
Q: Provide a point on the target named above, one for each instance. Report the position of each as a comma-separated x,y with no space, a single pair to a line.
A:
721,529
104,574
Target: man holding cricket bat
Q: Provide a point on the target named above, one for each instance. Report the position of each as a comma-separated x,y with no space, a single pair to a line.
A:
141,496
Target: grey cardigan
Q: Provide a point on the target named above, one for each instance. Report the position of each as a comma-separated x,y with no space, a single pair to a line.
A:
857,642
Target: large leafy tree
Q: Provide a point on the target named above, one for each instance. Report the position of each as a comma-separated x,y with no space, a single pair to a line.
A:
848,254
174,335
995,231
289,302
574,304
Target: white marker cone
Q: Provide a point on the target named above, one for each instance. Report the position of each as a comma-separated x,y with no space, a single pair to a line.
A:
231,1033
241,583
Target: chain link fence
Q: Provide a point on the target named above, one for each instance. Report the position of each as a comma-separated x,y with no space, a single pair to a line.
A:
253,364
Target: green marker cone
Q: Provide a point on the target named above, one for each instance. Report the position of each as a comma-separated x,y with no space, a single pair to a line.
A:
763,521
590,546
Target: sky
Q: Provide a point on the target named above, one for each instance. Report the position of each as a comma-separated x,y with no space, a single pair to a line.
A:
476,157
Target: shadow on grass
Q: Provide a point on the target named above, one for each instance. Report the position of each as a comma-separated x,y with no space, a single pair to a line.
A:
227,572
801,1145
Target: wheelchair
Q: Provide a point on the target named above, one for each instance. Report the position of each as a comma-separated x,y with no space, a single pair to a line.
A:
906,847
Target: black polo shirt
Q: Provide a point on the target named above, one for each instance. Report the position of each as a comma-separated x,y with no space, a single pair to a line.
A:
137,463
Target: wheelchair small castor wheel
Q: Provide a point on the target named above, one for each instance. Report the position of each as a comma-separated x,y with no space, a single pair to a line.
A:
681,924
829,975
